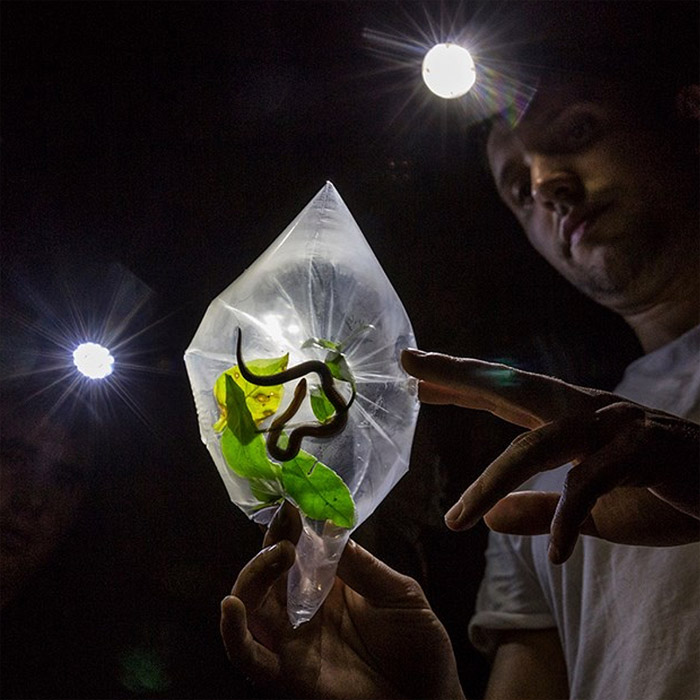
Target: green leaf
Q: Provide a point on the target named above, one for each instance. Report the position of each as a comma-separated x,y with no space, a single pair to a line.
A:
269,365
238,417
249,461
339,368
315,488
335,360
261,401
266,491
321,343
318,491
323,409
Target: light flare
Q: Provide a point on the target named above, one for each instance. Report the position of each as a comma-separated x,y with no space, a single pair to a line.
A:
449,71
93,360
501,84
44,351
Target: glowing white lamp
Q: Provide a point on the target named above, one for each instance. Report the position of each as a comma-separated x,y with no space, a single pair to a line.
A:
448,70
93,360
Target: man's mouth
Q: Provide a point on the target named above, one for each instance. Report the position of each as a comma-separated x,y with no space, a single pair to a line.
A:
576,226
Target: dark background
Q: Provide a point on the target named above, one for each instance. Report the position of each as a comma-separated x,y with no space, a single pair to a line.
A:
150,152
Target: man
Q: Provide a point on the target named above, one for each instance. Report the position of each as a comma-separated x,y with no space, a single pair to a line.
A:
47,476
44,476
604,182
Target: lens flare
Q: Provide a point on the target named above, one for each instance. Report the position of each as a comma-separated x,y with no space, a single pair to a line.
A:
449,71
93,360
61,336
414,50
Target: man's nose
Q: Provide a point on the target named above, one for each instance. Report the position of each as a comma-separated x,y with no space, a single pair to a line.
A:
557,190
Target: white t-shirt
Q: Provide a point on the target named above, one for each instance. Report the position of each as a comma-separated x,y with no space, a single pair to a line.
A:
628,617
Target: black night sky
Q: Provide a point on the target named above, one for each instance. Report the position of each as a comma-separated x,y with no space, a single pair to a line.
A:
150,152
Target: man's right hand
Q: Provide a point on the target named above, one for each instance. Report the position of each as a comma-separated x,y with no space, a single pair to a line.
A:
374,637
636,473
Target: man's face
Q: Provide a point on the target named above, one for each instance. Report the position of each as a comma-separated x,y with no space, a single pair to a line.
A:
603,197
42,482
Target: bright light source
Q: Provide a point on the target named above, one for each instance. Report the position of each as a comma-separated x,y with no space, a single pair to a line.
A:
93,360
448,70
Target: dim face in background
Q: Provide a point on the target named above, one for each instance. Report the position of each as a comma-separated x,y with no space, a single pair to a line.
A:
599,189
43,481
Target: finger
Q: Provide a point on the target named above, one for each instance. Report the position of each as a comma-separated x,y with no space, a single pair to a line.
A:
473,398
257,577
530,513
632,516
584,484
429,392
285,525
629,515
625,456
636,516
515,394
376,581
523,513
255,661
532,452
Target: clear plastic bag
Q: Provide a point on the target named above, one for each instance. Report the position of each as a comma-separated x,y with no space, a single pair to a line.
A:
317,293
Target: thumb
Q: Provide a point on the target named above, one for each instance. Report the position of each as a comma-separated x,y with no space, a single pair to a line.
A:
523,513
374,580
631,516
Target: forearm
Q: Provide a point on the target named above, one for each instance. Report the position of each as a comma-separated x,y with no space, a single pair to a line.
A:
529,665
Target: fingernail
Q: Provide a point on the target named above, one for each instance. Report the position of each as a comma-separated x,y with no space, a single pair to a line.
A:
454,514
271,550
415,352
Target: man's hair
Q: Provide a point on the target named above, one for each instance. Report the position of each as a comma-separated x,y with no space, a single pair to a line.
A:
649,48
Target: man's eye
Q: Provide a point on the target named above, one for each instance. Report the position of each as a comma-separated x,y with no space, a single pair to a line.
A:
580,130
521,193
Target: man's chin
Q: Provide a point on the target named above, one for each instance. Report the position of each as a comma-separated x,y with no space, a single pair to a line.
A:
602,274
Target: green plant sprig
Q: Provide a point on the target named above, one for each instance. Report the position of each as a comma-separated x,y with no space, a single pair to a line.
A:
312,486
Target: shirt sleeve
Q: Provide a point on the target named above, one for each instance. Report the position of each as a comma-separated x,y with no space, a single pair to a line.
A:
510,596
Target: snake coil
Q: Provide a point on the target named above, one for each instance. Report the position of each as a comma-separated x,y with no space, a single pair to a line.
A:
322,430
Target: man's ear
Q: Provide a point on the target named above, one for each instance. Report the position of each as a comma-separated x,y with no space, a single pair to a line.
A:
688,103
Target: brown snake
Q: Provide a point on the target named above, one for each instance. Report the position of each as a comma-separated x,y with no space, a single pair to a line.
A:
322,430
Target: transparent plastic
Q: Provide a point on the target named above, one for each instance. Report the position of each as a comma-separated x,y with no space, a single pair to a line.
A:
319,279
